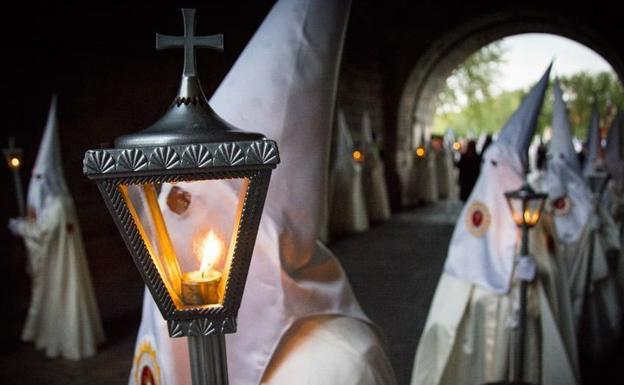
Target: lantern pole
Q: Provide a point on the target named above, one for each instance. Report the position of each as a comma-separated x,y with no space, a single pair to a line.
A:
13,157
208,359
521,327
525,270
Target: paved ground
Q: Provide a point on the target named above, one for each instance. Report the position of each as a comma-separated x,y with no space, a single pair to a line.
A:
394,269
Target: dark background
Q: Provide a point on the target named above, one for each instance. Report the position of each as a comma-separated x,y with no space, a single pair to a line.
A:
99,58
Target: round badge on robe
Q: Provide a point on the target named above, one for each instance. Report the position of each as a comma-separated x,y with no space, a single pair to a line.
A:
477,218
146,370
561,205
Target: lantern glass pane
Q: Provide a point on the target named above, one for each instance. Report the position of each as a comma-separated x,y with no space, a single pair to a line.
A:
189,229
533,211
515,205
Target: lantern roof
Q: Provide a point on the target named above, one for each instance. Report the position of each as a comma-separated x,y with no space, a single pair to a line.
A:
190,119
525,192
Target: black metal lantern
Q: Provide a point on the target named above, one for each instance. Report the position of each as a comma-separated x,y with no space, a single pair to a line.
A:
526,205
13,158
597,181
190,143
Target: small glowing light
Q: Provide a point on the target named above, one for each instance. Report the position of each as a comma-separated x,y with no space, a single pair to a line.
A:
530,218
456,146
420,152
357,155
208,250
15,162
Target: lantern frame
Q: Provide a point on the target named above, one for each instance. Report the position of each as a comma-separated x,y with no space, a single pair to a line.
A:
597,182
525,194
11,152
253,160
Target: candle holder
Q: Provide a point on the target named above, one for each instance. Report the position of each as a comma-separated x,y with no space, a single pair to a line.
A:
197,282
526,208
13,158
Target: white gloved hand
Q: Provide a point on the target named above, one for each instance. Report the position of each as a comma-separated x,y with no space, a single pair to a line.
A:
15,226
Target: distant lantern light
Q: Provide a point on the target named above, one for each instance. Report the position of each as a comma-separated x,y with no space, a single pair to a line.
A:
457,146
14,162
358,156
420,152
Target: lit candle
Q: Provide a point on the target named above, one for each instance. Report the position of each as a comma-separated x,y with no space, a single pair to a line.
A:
200,287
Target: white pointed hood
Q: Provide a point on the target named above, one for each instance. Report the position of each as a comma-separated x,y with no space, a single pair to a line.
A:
47,175
567,191
593,161
483,245
369,146
615,163
343,156
283,85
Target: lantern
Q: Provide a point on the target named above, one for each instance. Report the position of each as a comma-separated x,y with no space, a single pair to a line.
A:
526,208
526,205
597,181
13,158
196,279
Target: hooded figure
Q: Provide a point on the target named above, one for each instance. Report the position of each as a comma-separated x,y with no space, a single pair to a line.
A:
615,191
470,323
594,291
375,191
347,204
63,317
299,321
443,167
422,181
447,170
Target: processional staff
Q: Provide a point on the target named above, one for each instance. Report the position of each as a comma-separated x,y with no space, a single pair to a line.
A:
13,157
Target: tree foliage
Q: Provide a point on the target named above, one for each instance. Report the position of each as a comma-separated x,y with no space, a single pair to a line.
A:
470,105
473,81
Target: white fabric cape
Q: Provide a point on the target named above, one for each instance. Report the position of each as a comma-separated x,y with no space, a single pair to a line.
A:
467,336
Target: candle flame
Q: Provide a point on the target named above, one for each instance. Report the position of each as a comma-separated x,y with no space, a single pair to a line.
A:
420,152
15,162
208,250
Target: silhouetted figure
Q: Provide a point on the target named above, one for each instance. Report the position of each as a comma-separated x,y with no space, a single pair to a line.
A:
486,144
469,165
541,156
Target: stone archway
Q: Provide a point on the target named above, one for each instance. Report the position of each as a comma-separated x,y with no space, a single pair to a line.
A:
427,78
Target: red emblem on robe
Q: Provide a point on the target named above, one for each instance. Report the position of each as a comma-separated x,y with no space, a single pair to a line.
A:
477,218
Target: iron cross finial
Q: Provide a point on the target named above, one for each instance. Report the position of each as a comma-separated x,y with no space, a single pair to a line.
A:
189,42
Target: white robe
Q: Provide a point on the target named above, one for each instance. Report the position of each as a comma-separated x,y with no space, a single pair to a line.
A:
63,317
345,351
375,191
446,175
347,212
598,315
467,338
422,183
